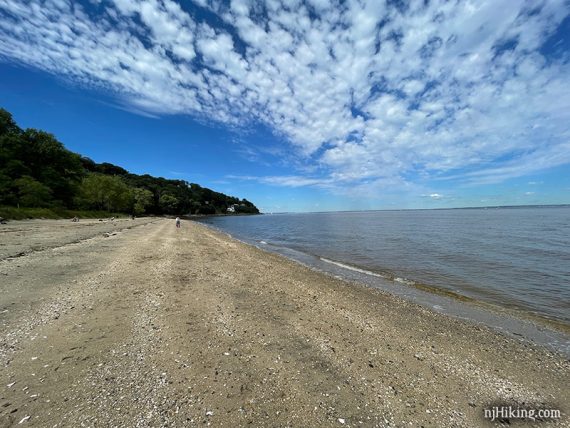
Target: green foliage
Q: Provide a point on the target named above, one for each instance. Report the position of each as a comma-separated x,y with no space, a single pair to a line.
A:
32,193
7,190
206,209
36,170
14,213
7,124
168,203
21,213
105,192
142,199
48,169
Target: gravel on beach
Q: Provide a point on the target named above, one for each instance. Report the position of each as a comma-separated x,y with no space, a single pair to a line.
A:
138,323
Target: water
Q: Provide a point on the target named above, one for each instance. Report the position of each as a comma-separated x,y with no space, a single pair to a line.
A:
514,258
511,257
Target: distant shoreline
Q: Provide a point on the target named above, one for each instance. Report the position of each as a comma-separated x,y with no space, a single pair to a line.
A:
425,209
195,216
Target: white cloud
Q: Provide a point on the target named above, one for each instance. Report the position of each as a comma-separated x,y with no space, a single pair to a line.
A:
366,93
288,181
433,196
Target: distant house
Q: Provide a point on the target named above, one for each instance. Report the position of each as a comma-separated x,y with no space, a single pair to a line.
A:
232,208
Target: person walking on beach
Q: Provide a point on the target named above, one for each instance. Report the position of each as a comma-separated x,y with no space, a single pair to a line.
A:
177,222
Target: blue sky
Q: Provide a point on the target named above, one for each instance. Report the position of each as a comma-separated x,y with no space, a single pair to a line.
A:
305,106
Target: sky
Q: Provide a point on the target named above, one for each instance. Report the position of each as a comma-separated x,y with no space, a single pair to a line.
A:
305,105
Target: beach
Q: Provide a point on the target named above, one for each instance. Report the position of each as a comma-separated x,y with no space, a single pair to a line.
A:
138,323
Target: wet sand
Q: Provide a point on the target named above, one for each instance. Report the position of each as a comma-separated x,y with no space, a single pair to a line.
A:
136,323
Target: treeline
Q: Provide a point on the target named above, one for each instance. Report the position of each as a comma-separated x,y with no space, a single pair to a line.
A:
37,171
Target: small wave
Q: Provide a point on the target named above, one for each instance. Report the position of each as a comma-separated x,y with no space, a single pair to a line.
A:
352,268
404,281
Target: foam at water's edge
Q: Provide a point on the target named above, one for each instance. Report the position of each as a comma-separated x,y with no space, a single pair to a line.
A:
404,281
353,268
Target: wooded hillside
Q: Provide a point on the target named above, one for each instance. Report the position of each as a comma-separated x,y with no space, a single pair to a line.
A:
37,171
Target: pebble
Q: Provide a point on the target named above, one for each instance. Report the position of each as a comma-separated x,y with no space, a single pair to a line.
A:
24,419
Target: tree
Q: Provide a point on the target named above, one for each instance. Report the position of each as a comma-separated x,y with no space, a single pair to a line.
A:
194,207
7,124
8,195
168,203
142,199
53,165
110,169
38,155
207,209
32,193
105,192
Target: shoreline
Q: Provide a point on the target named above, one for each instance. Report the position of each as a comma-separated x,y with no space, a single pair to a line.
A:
157,326
514,311
511,320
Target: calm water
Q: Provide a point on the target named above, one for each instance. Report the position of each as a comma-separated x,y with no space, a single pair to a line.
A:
513,257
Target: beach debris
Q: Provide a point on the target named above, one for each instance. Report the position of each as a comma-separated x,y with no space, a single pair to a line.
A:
24,419
209,413
341,421
10,385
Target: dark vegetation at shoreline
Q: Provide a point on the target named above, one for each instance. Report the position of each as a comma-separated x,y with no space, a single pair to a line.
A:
40,177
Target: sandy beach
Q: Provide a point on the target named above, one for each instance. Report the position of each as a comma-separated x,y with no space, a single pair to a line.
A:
137,323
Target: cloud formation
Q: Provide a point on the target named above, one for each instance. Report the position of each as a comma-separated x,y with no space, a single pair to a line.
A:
366,92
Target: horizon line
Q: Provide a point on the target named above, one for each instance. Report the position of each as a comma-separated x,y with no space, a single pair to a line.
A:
423,209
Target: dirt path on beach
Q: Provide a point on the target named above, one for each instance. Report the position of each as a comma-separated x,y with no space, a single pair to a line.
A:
154,326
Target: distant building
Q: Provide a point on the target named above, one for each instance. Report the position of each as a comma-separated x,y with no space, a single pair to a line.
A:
232,208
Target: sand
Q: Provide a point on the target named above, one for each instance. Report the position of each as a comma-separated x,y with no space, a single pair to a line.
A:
137,323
